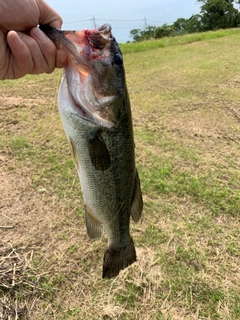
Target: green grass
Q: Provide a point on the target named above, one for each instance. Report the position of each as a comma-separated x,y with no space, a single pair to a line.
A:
174,41
185,105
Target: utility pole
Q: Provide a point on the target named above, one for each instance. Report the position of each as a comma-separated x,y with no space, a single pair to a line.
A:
145,22
94,22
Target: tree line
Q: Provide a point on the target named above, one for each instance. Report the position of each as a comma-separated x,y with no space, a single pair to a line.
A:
214,14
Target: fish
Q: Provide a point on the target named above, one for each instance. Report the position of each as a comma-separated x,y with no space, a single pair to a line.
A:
94,107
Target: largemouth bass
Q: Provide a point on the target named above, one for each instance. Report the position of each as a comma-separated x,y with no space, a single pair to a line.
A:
95,110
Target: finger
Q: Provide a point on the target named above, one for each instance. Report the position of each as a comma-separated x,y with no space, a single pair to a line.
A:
49,16
28,49
61,59
47,52
20,62
29,57
4,55
53,57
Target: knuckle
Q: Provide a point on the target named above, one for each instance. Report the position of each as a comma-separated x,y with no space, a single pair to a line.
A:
50,69
52,50
48,47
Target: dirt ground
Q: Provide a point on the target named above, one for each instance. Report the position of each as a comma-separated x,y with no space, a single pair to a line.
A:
49,269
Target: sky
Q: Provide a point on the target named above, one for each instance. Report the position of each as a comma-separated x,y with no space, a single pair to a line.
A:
123,15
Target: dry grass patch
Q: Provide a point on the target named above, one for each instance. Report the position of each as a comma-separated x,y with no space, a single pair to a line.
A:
186,120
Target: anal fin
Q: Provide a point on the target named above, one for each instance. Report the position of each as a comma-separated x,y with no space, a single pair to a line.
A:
94,227
98,151
137,202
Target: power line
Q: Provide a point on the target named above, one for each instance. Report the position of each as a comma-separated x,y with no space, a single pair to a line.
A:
113,20
117,20
117,24
77,21
159,22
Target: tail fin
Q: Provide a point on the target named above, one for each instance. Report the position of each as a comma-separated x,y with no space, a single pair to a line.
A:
117,259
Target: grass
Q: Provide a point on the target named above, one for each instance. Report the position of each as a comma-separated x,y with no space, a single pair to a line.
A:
177,40
185,104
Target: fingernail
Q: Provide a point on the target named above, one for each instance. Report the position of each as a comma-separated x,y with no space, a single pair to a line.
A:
63,60
39,34
62,56
17,40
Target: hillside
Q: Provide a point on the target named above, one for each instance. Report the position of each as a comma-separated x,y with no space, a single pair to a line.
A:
186,113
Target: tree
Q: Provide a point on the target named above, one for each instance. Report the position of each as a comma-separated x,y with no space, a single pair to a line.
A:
148,32
194,24
163,31
180,25
218,14
229,1
145,34
215,14
135,34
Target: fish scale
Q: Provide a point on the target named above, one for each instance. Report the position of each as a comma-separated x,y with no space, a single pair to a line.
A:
95,110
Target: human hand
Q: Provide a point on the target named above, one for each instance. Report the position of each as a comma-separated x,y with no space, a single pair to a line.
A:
27,50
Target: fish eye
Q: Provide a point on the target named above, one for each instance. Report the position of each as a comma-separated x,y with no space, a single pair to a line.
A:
118,59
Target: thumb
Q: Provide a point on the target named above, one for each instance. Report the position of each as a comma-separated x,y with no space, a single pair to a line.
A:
4,55
49,15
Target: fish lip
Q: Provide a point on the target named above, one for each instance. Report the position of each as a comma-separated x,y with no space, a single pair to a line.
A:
105,29
96,40
60,40
92,36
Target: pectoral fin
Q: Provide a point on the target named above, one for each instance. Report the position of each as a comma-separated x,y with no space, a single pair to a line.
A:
94,227
137,202
98,151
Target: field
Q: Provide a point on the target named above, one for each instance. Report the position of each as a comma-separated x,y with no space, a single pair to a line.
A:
186,113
